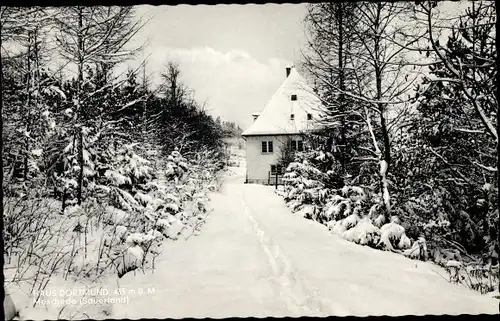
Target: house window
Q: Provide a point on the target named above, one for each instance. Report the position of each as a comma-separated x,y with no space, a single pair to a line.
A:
275,168
293,97
292,117
309,116
267,147
297,145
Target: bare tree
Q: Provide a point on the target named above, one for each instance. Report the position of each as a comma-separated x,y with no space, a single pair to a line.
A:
380,81
26,54
475,70
174,89
330,38
16,20
93,36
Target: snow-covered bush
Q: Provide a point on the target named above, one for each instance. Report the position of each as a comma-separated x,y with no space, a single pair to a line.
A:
132,207
308,211
151,208
392,236
476,276
131,259
304,186
363,233
345,201
418,250
456,210
176,166
355,213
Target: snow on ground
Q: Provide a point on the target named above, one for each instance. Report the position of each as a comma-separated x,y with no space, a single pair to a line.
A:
255,258
66,266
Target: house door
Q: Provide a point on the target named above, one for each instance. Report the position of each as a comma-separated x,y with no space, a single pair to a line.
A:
276,175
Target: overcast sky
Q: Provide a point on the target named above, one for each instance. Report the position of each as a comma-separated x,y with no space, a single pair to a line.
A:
233,56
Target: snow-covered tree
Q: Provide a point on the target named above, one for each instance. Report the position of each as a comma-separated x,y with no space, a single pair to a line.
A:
448,151
353,212
425,157
93,39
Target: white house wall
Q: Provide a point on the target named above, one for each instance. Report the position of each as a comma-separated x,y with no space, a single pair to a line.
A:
258,163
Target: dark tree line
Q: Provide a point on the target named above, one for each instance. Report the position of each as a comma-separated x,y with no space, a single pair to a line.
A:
230,129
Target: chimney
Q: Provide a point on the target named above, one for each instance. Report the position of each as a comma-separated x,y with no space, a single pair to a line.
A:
288,69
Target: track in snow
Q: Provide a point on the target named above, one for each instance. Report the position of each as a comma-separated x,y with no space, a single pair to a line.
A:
298,298
255,258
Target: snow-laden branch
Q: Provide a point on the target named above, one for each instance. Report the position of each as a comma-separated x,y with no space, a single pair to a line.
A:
372,133
442,79
487,168
127,105
462,176
469,131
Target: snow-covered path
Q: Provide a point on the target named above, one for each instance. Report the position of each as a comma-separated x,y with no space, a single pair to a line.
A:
254,258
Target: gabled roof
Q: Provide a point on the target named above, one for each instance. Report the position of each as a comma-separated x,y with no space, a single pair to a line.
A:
275,118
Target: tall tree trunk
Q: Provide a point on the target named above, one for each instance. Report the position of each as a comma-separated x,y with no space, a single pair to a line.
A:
2,290
144,104
341,86
1,140
80,108
385,158
80,161
496,175
28,111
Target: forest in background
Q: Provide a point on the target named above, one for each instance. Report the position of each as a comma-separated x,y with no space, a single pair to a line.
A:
52,123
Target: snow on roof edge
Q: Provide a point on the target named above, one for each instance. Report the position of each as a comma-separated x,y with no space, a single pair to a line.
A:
272,119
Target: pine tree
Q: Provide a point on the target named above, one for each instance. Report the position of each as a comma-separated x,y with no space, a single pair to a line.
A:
93,38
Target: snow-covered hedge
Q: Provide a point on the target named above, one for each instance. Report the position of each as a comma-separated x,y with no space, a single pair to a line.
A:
132,206
169,205
355,213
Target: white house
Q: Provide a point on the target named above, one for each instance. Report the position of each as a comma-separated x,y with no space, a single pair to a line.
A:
290,113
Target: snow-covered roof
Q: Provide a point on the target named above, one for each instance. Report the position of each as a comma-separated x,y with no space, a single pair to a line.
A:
276,118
